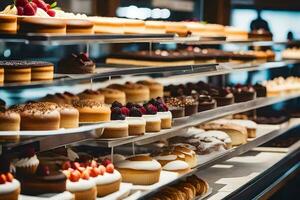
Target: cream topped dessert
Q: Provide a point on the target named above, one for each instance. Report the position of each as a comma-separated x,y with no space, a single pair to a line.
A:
27,163
139,170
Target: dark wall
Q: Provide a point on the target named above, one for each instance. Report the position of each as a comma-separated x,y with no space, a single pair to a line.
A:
268,4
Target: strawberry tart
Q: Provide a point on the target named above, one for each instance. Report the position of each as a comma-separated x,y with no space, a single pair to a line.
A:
80,183
107,179
103,176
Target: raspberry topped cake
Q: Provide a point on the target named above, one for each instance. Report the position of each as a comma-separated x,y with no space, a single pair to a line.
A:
153,120
118,127
163,112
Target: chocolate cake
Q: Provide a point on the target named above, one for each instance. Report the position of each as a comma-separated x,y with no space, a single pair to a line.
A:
243,93
76,64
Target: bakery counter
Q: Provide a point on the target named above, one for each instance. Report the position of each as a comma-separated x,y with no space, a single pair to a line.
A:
194,120
264,134
251,175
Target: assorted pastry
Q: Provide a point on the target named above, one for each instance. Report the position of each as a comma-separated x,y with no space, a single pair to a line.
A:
291,53
281,86
189,189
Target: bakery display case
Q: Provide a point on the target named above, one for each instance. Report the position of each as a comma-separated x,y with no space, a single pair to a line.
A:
155,123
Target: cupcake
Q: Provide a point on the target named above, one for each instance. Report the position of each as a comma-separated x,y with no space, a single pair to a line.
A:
190,105
175,106
223,96
261,91
27,164
205,101
243,93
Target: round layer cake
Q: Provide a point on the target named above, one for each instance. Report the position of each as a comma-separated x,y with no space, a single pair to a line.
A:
40,116
69,116
41,71
135,93
16,71
41,25
112,95
92,111
45,180
139,170
8,24
9,121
